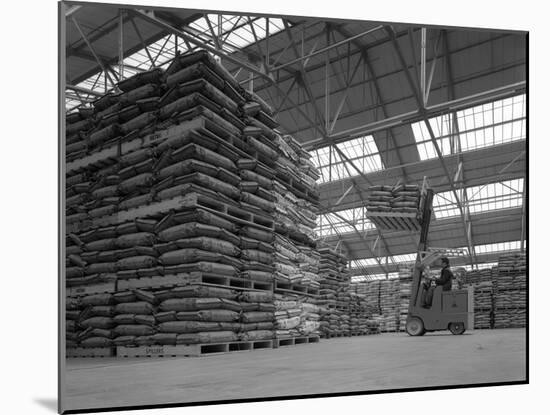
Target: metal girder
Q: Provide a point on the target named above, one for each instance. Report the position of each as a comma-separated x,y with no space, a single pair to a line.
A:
99,61
397,48
193,40
366,59
360,236
83,90
327,48
453,188
431,111
138,33
523,216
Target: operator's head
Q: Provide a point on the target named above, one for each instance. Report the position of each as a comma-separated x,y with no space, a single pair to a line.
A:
445,261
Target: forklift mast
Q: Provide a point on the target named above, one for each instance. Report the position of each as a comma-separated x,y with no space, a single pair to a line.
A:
426,216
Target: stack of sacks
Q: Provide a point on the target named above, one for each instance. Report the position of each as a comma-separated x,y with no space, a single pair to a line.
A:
510,291
513,263
218,159
405,284
107,253
296,316
297,202
192,314
359,312
390,303
483,304
477,276
402,198
90,321
335,292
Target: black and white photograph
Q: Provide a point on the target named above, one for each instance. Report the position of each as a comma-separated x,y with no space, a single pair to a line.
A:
275,206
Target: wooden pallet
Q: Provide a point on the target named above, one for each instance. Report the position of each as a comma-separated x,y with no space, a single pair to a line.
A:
111,154
90,352
395,221
98,288
188,201
334,335
295,288
202,278
192,350
293,341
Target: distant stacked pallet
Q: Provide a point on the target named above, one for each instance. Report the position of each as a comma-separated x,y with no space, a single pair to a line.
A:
405,282
483,304
177,180
360,313
510,291
296,316
395,207
390,305
334,293
296,206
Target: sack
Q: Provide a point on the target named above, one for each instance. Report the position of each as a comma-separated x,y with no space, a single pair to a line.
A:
124,341
146,296
255,255
192,304
136,262
256,296
256,316
124,297
147,320
121,319
143,180
165,316
101,268
208,315
134,330
209,244
168,339
258,234
196,326
97,299
218,337
98,322
135,239
139,307
184,256
102,311
257,335
288,323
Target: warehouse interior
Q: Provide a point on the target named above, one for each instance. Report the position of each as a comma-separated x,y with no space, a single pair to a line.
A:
370,106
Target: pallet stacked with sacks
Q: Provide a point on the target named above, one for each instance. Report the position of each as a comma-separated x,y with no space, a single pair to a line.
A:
395,207
482,282
334,293
171,208
510,291
360,313
405,285
383,297
296,259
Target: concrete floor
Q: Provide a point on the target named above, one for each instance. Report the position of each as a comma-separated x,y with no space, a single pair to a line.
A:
342,364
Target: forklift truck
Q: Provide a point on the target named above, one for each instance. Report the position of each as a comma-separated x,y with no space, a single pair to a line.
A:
450,310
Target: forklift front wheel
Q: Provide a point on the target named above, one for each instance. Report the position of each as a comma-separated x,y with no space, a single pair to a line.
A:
415,327
457,328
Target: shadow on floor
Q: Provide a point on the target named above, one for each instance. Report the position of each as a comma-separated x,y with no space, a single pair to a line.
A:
48,403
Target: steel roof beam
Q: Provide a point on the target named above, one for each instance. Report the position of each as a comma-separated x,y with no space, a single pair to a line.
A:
431,111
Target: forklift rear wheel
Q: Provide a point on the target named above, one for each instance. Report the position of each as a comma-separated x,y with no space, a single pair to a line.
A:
457,328
415,327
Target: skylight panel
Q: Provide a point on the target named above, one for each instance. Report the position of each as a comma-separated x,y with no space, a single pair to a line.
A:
497,247
362,152
493,196
482,126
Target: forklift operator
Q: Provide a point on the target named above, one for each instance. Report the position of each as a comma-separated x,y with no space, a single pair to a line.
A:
445,280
